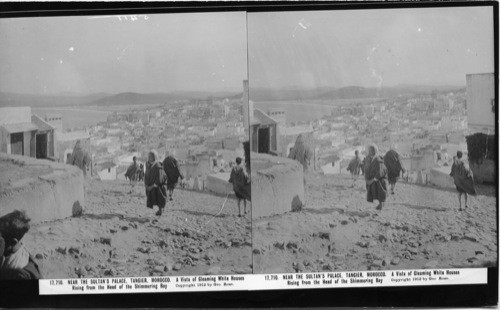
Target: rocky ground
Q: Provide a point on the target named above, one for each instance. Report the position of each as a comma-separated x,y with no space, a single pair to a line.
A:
118,236
420,227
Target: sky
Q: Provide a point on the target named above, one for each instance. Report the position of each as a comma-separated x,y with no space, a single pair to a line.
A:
156,53
369,48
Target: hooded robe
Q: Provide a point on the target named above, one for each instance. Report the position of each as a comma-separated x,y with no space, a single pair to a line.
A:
155,174
394,166
375,168
241,182
463,178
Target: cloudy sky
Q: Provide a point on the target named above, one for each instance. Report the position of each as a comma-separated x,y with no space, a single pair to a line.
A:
155,53
370,48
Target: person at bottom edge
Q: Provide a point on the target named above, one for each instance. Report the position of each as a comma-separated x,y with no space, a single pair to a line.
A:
155,182
173,174
241,184
375,176
463,179
16,262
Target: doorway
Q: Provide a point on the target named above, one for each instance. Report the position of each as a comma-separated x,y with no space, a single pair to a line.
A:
41,145
17,143
264,135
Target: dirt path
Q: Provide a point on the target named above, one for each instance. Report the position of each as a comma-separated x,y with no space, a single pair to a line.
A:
119,236
338,229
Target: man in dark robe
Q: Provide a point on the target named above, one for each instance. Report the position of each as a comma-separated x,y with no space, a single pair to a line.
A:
463,178
241,184
80,157
354,167
16,262
173,174
155,181
131,173
375,175
140,173
394,166
302,153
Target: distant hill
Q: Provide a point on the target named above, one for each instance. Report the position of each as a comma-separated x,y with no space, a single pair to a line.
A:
349,92
18,100
71,99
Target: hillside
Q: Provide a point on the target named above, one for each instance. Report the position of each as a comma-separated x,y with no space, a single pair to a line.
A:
349,92
118,236
338,229
102,99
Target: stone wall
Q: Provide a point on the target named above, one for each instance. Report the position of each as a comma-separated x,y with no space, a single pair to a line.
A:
54,194
277,185
441,177
217,183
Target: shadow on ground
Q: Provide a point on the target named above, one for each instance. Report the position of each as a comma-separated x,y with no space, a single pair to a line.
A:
418,207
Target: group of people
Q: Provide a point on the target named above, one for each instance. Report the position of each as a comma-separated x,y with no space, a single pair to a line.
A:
160,180
16,263
162,177
378,169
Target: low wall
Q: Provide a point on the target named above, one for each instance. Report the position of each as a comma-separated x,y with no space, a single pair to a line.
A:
218,183
277,185
441,177
54,194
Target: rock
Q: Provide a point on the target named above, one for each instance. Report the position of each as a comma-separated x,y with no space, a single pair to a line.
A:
159,269
80,272
324,235
470,237
432,264
362,244
236,242
279,245
133,225
377,263
105,240
412,250
337,255
386,261
306,263
62,250
110,272
112,230
382,238
479,253
327,267
124,228
142,250
395,261
344,222
299,267
256,251
152,249
168,267
332,225
177,266
472,259
213,270
39,256
162,244
292,245
74,250
89,268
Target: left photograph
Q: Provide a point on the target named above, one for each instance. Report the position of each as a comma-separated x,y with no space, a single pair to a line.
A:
124,149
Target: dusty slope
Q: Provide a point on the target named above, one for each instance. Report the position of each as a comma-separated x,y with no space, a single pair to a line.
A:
420,227
119,236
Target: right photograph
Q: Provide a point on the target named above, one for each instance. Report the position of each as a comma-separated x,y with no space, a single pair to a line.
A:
372,139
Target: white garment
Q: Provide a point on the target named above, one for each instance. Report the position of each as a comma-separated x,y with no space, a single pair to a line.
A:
17,260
